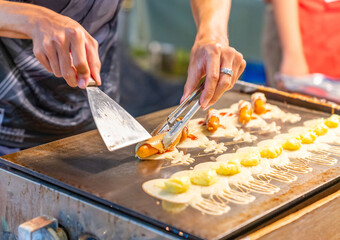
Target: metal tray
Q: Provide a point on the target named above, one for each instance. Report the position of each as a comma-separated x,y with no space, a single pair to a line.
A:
82,165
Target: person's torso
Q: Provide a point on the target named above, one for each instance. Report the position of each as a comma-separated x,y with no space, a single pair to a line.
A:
35,106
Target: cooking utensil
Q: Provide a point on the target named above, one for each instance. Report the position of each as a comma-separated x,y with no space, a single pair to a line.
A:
117,127
172,125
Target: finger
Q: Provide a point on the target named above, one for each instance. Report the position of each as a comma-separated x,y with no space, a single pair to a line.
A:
195,74
52,56
225,80
236,67
213,73
40,55
241,69
78,53
65,63
93,59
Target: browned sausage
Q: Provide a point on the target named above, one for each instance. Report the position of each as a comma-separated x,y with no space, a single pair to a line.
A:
154,145
185,133
212,120
245,111
259,103
146,150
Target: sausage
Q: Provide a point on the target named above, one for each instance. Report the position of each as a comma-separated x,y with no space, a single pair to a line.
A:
259,107
155,145
245,111
185,133
146,150
212,120
150,146
259,101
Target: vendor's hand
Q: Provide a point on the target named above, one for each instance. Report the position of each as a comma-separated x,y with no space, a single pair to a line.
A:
65,48
208,56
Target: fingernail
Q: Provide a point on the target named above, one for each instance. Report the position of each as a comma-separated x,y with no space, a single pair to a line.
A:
81,84
182,99
204,102
204,106
99,79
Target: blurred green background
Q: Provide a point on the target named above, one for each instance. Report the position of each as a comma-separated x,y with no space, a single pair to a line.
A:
158,35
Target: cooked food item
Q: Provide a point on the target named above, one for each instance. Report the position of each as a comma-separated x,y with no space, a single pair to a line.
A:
229,173
317,152
319,129
223,162
245,111
307,137
332,121
155,145
295,133
177,184
156,188
301,133
212,121
271,151
203,177
146,150
174,201
228,168
327,130
292,144
259,101
151,146
249,159
244,179
185,134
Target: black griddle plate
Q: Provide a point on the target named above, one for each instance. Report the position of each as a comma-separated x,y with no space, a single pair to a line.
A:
83,165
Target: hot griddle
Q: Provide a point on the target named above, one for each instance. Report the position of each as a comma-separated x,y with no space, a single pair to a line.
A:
83,165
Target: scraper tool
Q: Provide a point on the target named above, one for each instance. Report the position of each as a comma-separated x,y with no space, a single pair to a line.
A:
116,126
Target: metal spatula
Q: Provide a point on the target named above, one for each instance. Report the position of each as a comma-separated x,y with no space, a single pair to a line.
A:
116,126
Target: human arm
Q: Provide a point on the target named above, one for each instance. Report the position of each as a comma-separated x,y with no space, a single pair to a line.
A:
211,52
287,20
60,44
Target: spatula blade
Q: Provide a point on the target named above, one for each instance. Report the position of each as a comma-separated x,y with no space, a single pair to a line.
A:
116,126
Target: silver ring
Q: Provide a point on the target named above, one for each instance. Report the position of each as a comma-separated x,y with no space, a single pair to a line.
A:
227,71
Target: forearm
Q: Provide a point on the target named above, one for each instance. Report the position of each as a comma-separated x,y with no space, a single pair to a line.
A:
287,20
17,20
211,52
211,18
60,43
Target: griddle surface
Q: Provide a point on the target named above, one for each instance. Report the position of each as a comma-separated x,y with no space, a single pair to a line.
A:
83,165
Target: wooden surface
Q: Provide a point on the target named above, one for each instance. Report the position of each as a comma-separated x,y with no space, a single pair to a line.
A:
320,220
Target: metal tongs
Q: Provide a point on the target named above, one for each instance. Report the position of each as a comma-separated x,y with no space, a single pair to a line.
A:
174,126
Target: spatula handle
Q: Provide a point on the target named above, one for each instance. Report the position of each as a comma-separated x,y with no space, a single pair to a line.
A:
92,82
